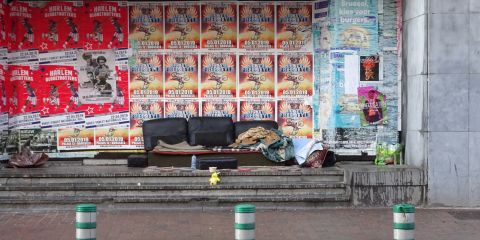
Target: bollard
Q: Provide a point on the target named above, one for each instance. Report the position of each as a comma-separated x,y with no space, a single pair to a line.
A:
244,222
403,222
86,222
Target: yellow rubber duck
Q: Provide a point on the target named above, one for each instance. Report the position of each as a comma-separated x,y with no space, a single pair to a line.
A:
214,179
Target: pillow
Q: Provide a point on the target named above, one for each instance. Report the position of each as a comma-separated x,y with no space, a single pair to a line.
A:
316,158
210,139
210,131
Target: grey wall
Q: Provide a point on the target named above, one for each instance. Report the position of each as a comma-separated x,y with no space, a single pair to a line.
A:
442,95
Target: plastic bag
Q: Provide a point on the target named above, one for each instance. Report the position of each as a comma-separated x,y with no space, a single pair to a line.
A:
388,154
27,158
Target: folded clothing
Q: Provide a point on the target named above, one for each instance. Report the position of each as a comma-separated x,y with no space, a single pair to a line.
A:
272,143
254,135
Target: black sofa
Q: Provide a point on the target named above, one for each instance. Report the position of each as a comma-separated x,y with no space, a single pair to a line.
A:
206,131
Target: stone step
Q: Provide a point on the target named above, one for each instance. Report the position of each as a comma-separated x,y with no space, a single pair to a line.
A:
120,171
163,187
165,190
167,186
124,175
182,201
168,179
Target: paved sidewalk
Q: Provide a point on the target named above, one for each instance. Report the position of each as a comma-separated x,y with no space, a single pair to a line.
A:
337,224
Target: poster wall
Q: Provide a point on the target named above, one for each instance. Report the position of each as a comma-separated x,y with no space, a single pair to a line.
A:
89,73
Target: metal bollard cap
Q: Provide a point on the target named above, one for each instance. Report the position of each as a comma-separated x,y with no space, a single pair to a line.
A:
86,208
403,208
245,208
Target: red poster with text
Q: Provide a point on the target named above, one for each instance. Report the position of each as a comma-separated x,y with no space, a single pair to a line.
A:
3,89
106,25
59,26
22,32
59,89
120,101
25,90
3,24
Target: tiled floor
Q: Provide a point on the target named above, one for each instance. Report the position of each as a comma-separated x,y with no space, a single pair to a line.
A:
337,224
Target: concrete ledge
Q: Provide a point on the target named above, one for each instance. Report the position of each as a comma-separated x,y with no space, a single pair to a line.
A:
384,186
104,162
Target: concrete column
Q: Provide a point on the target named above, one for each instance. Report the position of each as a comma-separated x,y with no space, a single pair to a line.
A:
414,81
441,97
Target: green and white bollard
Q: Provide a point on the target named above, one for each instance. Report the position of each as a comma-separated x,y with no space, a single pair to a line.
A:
244,222
86,222
403,222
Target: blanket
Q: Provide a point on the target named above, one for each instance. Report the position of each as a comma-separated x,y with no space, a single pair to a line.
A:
185,148
179,147
272,143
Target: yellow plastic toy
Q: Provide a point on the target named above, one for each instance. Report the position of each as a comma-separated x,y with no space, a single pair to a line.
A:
214,179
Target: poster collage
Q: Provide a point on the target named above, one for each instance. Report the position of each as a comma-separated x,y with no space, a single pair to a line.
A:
82,75
356,54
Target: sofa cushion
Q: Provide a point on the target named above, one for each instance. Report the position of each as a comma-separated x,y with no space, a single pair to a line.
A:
243,126
169,130
210,131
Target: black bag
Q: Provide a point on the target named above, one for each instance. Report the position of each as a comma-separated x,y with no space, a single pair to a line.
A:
219,162
137,160
330,159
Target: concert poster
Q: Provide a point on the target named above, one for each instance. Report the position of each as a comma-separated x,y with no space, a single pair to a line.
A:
219,25
218,75
182,26
146,75
257,110
181,75
295,75
295,118
256,26
146,26
257,75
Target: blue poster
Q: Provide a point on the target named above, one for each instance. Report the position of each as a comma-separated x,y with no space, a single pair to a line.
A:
356,25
